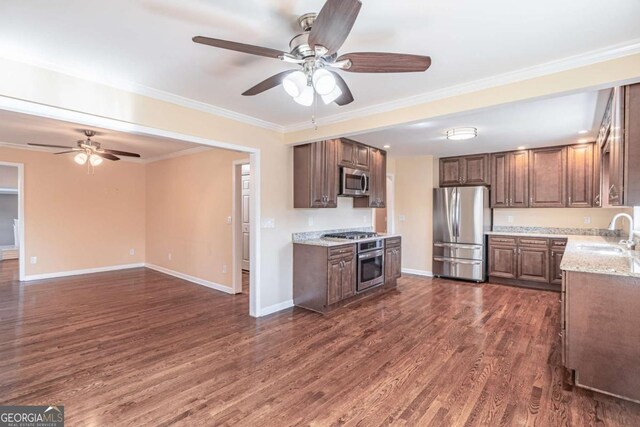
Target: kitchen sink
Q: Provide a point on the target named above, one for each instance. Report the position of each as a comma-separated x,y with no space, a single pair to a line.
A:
603,249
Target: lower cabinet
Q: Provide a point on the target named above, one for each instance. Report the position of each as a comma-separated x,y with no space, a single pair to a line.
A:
326,277
392,260
529,261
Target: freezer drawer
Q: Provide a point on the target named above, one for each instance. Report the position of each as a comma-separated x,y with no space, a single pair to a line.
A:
458,268
458,250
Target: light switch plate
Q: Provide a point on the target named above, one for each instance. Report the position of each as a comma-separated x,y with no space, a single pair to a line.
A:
402,218
228,220
34,260
269,223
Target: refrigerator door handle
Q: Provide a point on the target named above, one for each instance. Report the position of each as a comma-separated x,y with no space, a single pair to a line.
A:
456,245
457,213
458,261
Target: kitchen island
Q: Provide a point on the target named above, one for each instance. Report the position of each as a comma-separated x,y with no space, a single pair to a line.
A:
600,315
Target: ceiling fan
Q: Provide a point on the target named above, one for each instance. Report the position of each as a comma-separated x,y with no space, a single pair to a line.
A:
89,150
315,50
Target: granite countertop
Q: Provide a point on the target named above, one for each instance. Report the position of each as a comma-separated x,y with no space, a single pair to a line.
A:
576,258
319,241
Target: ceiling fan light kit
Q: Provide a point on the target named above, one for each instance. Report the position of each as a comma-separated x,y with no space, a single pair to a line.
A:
315,50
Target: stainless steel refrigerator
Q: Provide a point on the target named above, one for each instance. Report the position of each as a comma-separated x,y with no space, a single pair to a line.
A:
461,215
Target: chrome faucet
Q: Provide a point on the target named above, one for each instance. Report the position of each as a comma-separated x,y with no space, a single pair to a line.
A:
631,244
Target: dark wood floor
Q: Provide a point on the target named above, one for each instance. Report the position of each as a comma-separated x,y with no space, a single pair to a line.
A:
142,348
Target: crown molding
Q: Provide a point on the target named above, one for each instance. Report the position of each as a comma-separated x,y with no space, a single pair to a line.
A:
576,61
150,92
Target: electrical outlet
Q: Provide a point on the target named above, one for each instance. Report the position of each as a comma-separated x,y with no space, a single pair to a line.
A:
224,268
132,251
228,220
169,256
402,218
510,219
33,260
311,220
587,220
364,219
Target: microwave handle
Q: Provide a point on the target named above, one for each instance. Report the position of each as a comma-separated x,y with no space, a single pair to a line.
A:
365,182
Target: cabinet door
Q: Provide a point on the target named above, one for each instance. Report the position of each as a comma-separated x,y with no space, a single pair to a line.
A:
397,263
555,271
502,261
616,150
547,177
389,268
500,180
451,171
334,285
519,179
318,165
330,173
378,179
361,157
476,170
580,176
597,176
348,280
346,153
533,264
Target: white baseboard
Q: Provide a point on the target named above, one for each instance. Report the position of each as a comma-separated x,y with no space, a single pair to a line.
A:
79,272
192,279
417,272
275,307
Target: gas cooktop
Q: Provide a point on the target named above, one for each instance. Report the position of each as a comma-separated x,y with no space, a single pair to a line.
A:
351,235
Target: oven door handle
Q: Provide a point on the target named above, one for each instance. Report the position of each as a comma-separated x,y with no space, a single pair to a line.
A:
371,255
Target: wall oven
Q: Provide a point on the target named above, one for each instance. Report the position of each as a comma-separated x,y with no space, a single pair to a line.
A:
370,264
354,182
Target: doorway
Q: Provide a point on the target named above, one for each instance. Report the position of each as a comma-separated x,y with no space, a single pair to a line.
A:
11,218
242,224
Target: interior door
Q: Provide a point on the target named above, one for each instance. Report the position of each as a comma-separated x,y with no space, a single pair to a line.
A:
246,202
470,211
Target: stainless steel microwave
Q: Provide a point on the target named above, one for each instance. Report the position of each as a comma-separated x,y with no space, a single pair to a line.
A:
354,182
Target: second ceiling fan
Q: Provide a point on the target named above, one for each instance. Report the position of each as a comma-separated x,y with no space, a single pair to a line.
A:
315,50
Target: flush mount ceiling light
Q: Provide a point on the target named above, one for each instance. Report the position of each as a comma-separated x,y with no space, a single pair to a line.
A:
460,134
386,146
582,132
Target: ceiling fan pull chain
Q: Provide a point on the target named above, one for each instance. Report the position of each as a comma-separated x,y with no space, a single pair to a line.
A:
315,111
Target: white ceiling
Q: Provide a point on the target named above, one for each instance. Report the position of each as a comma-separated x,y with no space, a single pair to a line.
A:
148,43
20,129
540,123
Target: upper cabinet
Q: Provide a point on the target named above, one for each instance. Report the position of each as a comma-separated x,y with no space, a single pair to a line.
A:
315,169
352,154
547,177
510,179
316,173
467,170
580,176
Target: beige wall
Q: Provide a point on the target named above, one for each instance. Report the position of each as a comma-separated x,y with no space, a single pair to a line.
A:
570,218
188,201
414,183
68,211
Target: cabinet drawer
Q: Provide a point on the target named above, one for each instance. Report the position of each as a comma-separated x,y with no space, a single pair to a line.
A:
502,240
342,251
558,243
393,241
533,242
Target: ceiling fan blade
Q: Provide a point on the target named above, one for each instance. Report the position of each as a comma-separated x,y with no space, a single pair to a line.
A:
381,62
120,153
106,156
70,151
267,84
239,47
333,24
346,97
49,145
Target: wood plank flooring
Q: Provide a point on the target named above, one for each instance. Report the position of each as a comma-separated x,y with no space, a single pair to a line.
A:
141,348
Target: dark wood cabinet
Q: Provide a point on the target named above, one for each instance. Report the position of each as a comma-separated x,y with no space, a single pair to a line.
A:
527,261
547,177
467,170
580,176
596,201
341,278
510,179
353,154
392,260
377,182
316,175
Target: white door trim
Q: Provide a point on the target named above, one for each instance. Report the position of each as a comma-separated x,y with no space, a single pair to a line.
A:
391,200
236,240
41,110
22,253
